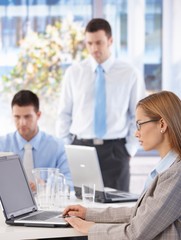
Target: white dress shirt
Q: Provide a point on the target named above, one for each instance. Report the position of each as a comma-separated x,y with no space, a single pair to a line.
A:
124,87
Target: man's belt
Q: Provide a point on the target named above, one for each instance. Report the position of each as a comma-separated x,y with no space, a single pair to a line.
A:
98,141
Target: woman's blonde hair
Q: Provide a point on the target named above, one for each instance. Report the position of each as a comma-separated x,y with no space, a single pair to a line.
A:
166,105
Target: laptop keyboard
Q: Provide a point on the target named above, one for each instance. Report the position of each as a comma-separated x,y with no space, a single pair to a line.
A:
41,216
112,195
115,194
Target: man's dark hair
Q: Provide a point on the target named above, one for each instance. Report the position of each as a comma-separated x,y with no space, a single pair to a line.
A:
26,98
97,24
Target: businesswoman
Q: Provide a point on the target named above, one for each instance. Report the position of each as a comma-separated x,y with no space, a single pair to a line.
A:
157,213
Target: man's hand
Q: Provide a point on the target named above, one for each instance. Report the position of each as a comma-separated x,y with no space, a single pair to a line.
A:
32,186
79,224
75,210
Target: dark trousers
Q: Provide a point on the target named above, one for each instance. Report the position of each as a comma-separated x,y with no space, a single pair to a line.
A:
114,162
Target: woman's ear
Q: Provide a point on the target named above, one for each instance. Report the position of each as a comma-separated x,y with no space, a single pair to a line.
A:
163,125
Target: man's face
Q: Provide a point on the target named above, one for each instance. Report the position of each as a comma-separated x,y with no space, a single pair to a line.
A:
26,119
98,45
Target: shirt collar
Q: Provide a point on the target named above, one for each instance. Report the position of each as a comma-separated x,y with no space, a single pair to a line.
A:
35,141
164,163
105,65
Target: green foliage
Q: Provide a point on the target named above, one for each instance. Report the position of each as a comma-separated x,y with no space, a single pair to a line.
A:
42,56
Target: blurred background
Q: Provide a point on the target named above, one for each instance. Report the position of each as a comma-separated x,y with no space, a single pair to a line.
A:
39,39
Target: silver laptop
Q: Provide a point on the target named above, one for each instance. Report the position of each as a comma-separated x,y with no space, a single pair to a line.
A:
18,203
84,166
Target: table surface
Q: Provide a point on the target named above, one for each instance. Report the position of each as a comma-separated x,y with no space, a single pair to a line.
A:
21,232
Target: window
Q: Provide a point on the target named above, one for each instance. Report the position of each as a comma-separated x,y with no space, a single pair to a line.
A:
153,45
116,13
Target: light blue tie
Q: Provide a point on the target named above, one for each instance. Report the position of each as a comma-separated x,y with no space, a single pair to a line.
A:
100,103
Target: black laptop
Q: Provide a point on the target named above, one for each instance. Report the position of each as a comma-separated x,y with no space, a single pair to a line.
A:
84,166
17,200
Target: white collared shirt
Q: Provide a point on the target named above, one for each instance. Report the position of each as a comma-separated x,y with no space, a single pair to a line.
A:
124,88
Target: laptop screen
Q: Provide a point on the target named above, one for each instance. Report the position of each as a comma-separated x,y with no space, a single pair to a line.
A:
15,193
84,166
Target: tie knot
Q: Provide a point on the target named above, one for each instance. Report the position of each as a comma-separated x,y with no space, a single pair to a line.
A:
27,146
99,68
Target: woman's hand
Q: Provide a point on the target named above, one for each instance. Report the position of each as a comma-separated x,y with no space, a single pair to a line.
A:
79,224
75,210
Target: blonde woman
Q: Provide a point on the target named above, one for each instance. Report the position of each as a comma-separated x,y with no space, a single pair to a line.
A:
157,213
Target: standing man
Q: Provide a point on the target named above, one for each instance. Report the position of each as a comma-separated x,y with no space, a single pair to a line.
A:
97,106
45,150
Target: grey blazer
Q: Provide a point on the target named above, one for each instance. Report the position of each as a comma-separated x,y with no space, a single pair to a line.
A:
156,215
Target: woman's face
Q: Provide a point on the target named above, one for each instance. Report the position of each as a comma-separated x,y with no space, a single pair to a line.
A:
149,134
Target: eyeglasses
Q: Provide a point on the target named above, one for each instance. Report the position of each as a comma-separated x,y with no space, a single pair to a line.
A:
138,124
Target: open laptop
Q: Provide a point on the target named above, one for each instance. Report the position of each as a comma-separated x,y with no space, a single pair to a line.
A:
18,203
84,166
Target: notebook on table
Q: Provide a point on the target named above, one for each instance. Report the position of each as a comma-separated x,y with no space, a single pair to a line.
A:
17,200
84,166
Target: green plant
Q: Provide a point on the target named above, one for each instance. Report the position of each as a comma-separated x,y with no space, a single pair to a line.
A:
42,59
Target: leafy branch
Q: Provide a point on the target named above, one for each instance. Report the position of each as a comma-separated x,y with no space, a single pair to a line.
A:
43,57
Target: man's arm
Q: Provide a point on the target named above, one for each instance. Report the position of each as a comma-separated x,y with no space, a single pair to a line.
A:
62,164
4,147
65,109
138,92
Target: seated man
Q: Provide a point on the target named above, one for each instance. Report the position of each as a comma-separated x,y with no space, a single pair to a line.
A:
45,150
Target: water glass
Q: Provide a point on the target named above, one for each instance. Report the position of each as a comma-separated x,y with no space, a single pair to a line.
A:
88,193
